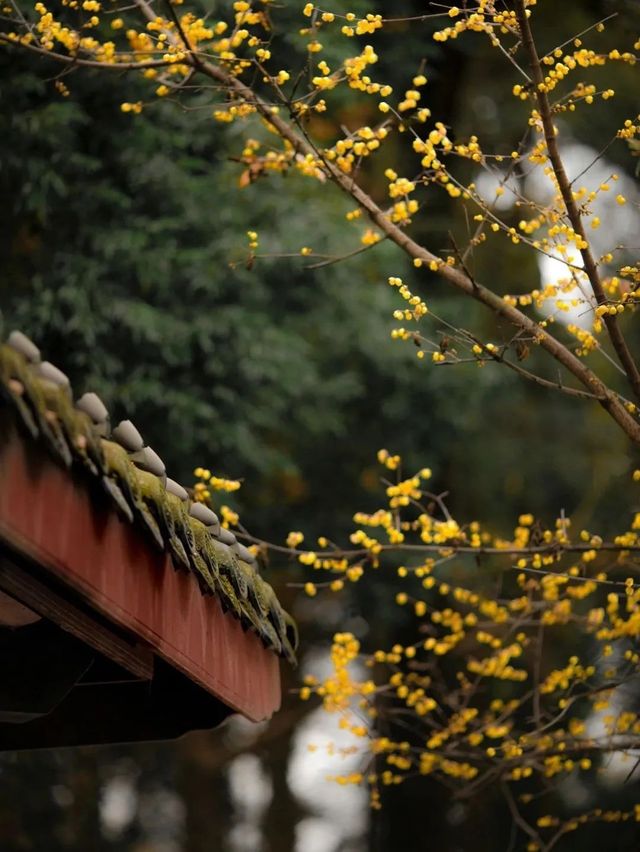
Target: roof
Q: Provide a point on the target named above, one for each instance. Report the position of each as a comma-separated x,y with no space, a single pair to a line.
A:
108,521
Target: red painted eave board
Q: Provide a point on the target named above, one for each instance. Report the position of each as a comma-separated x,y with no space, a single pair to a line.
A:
49,517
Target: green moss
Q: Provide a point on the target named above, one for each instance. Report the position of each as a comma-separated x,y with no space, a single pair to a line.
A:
47,415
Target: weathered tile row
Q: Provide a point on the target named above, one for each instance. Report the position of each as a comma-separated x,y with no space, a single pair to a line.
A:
120,468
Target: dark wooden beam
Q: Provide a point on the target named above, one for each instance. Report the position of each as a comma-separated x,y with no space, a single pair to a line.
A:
166,708
34,593
40,665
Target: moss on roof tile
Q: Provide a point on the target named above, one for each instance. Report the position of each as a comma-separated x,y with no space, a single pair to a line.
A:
76,435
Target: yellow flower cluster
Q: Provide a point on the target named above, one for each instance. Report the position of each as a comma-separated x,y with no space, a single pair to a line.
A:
229,517
563,678
588,342
216,482
347,152
339,689
418,307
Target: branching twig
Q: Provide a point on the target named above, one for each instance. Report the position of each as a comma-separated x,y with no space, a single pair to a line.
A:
301,143
564,185
86,63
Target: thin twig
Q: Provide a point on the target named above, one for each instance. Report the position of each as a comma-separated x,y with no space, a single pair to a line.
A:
517,816
332,260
